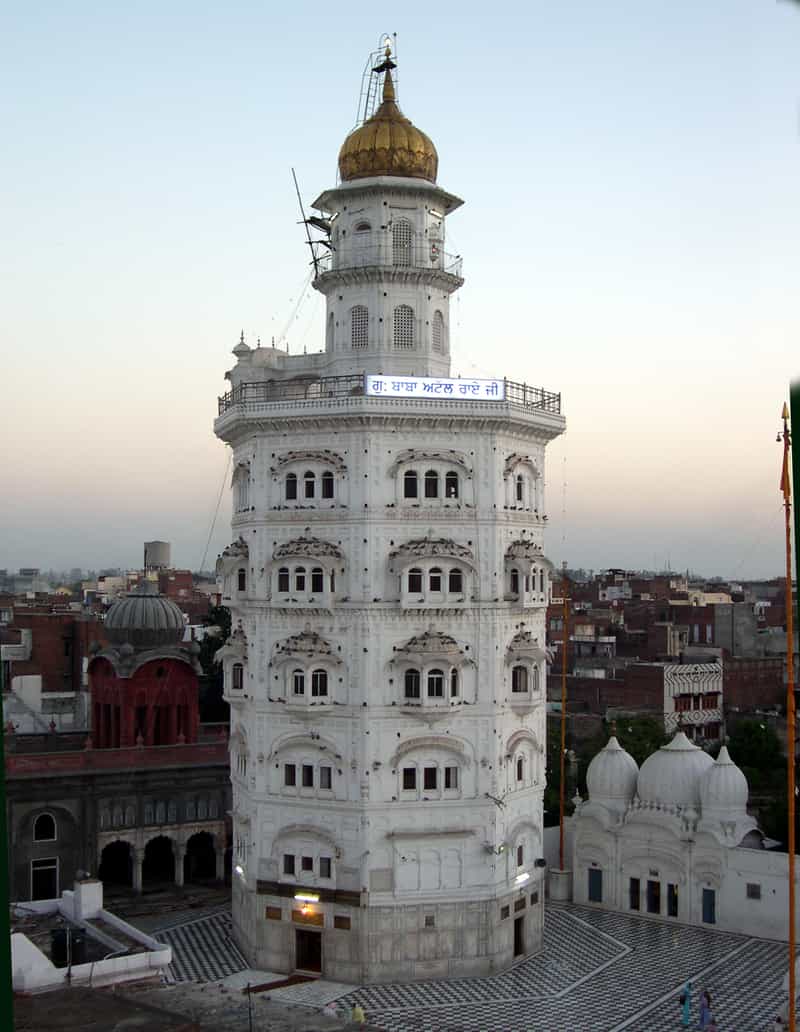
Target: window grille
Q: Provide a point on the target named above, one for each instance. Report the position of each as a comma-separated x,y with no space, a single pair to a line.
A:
402,239
436,684
437,332
412,684
404,327
359,326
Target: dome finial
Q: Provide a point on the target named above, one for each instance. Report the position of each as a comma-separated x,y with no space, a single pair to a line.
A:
386,66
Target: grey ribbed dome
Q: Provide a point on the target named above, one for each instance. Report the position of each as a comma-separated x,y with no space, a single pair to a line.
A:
144,619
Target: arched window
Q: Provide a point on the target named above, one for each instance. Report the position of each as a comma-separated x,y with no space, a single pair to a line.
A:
431,484
317,580
415,581
520,770
514,582
402,241
361,243
412,684
319,684
309,484
455,581
283,579
451,485
329,334
435,579
359,326
410,484
44,828
437,331
327,484
519,679
300,578
520,855
435,684
454,683
541,581
291,487
298,682
519,488
237,679
242,580
403,327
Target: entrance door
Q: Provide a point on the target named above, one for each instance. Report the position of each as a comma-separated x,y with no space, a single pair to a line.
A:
595,885
709,906
519,936
308,948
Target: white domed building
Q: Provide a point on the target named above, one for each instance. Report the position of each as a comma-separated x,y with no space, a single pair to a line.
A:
673,840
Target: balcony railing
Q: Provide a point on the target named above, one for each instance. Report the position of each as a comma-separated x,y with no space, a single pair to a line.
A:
517,395
370,250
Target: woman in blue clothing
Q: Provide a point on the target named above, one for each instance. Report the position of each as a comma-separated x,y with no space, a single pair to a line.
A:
686,1004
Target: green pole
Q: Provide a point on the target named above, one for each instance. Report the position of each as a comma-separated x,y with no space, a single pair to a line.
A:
6,991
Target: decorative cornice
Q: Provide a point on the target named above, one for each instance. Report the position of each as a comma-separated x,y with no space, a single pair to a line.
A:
325,455
421,548
450,455
308,547
429,742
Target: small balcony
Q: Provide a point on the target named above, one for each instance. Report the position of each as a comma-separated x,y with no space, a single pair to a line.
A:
374,250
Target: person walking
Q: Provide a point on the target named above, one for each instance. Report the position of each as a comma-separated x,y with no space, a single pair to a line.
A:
685,1000
358,1015
704,1017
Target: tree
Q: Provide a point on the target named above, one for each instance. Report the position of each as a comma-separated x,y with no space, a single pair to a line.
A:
213,708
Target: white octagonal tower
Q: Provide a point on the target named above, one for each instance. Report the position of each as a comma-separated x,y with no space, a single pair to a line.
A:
388,589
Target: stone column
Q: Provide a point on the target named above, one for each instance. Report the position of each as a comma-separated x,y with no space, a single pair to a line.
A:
138,861
220,855
179,852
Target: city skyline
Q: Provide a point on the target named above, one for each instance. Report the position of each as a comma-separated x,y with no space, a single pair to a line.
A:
629,239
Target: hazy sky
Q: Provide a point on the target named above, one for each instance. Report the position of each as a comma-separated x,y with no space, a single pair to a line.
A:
631,238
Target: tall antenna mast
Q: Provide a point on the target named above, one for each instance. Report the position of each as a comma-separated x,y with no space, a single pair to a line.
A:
323,225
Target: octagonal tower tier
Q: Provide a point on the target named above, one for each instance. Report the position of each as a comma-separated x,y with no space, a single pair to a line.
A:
388,590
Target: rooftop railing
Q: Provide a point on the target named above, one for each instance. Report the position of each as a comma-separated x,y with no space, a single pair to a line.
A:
365,250
315,389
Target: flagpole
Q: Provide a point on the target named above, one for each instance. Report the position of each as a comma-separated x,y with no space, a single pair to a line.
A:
790,702
564,644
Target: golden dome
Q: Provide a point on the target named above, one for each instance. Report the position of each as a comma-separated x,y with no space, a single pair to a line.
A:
388,144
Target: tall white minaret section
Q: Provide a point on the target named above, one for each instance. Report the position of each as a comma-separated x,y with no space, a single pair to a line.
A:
388,277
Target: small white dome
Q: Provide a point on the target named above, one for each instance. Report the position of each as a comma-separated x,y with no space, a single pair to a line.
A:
723,787
612,774
671,776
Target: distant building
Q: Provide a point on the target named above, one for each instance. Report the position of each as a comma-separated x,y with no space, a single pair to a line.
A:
157,555
144,797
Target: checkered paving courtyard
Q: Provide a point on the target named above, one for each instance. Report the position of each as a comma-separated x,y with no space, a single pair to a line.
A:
598,972
203,950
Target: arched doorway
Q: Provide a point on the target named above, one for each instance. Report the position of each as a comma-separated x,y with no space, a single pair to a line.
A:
159,862
116,865
200,864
